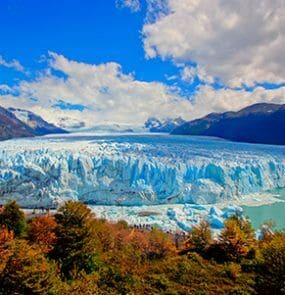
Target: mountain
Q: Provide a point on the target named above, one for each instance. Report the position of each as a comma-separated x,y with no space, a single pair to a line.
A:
166,125
16,123
38,125
70,124
258,123
110,128
12,127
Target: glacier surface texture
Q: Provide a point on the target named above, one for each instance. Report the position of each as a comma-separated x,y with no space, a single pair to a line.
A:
135,170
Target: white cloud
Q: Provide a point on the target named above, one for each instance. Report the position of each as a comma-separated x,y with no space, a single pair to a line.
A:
15,64
156,9
238,42
109,95
208,99
188,74
133,5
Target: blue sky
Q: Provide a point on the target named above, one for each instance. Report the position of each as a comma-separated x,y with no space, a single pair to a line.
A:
158,58
88,31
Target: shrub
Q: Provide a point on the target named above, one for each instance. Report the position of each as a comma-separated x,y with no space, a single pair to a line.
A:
13,218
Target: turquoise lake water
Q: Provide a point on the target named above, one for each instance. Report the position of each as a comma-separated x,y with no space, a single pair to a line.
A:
274,212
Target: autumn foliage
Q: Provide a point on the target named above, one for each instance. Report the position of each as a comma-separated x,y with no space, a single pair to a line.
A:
74,252
5,236
41,231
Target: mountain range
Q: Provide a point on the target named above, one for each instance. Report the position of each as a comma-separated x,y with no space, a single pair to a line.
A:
16,123
258,123
37,123
163,125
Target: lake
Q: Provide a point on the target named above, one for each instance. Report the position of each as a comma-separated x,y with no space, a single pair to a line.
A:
274,212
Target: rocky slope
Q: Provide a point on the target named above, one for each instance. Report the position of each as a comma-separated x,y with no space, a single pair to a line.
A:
36,123
12,127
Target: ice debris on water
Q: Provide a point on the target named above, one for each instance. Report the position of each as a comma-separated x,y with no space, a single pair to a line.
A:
169,217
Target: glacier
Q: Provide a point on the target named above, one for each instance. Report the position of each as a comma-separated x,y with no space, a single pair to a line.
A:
136,170
174,217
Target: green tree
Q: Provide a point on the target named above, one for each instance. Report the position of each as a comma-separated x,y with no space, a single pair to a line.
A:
200,238
237,238
75,246
271,266
13,218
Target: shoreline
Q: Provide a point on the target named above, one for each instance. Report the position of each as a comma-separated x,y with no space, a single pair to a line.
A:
174,217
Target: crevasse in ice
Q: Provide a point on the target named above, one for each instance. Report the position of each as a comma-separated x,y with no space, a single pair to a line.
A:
135,170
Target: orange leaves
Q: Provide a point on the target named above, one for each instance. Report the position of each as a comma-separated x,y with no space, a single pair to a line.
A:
75,253
158,245
199,240
153,244
237,238
26,270
42,232
5,236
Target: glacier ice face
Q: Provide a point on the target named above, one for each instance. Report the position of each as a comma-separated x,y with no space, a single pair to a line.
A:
174,217
135,170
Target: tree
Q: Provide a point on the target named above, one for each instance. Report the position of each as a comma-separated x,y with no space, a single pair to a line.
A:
271,266
237,238
26,270
13,218
83,284
200,238
75,247
6,236
41,231
158,245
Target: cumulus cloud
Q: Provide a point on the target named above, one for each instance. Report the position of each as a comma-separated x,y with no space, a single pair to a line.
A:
189,74
208,99
133,5
107,94
238,42
14,64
